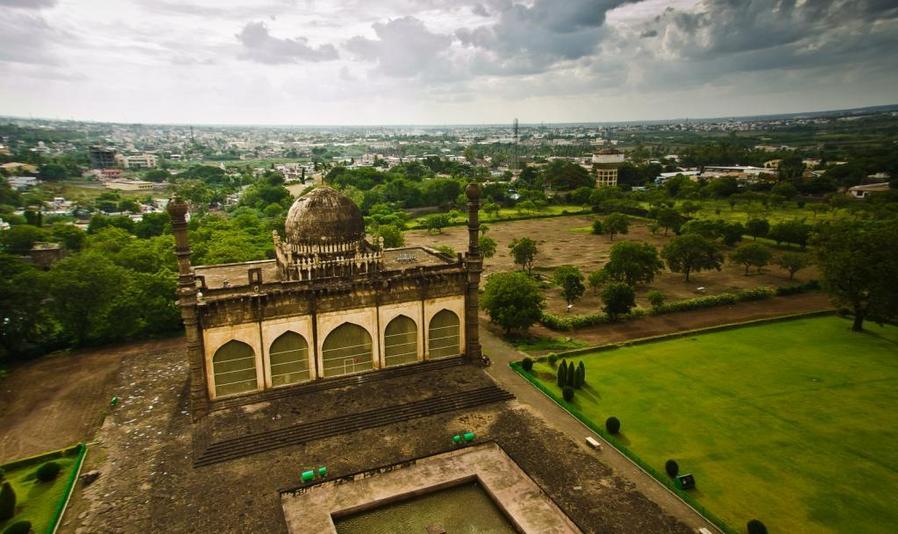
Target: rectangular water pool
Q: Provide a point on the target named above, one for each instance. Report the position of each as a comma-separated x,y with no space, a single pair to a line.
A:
462,509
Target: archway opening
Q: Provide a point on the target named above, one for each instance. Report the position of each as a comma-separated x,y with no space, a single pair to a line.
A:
234,369
401,341
288,357
346,350
443,335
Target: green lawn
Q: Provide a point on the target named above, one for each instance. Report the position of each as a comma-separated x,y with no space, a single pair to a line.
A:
794,423
37,501
720,209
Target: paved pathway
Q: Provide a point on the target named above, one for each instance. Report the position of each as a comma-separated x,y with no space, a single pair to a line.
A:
503,353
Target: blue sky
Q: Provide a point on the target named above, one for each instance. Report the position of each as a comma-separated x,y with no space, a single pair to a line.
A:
441,61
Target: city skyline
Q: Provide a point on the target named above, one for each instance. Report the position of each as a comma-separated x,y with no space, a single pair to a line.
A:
465,63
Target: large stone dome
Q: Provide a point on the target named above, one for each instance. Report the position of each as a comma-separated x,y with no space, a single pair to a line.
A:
324,215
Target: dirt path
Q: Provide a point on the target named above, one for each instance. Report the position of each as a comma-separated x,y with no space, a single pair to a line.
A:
675,322
59,400
503,353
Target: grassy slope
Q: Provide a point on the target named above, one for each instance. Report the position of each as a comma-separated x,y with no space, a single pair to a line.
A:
37,501
793,423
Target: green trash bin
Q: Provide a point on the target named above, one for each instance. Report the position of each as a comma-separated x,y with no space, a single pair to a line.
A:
469,436
456,439
308,476
322,471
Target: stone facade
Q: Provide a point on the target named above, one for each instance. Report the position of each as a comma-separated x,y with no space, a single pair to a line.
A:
326,301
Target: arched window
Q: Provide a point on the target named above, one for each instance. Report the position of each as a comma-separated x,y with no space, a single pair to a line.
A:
234,367
347,349
401,341
443,339
289,359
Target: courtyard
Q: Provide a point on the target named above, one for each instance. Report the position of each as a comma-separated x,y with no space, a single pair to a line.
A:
790,422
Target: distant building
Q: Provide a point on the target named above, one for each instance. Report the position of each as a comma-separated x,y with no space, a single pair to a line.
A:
132,185
139,161
863,191
43,255
20,183
101,157
19,167
606,163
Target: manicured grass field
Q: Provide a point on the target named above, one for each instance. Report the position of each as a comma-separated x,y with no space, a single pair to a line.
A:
37,501
508,214
794,423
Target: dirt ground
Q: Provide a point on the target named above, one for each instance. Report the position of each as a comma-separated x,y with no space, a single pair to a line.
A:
568,241
654,325
61,399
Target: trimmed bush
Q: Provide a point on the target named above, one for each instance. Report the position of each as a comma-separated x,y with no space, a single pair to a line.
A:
756,527
19,527
612,425
656,298
581,375
568,393
553,359
47,471
571,375
672,468
561,376
527,364
7,501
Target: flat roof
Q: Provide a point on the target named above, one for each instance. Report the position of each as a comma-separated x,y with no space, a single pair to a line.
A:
236,274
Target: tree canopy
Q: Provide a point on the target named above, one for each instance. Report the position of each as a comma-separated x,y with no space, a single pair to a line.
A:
512,300
691,253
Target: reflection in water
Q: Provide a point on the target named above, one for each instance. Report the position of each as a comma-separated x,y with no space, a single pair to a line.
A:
463,509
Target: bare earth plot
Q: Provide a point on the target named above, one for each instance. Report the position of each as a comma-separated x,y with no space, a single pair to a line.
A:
568,241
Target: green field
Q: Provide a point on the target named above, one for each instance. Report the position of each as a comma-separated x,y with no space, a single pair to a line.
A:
742,212
793,423
37,501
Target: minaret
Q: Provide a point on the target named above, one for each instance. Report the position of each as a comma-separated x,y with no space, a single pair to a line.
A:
199,400
473,266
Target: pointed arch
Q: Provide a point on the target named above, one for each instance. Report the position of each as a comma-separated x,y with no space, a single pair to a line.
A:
401,341
234,369
347,349
443,335
288,359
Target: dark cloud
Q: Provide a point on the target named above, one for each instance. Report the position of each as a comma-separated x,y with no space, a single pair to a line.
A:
404,48
530,38
260,46
28,4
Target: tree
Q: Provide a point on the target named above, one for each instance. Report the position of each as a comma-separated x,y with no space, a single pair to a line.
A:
581,375
669,219
619,299
755,527
524,252
561,374
691,253
512,300
20,238
436,221
487,246
597,279
793,262
391,235
757,227
616,223
52,172
7,501
570,279
751,255
491,208
795,232
597,227
859,264
633,262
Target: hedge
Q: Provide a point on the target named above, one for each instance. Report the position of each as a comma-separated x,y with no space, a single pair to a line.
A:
571,322
642,464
